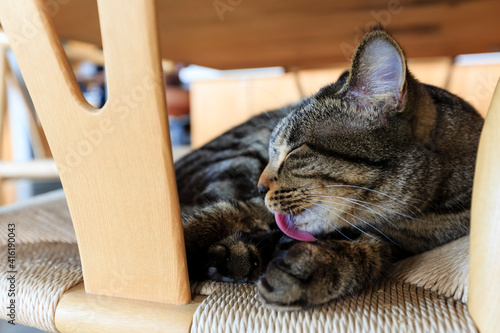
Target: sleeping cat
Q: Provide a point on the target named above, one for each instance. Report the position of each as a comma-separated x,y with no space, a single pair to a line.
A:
374,167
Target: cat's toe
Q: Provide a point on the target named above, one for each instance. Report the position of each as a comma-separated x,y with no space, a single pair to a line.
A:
278,288
233,261
287,280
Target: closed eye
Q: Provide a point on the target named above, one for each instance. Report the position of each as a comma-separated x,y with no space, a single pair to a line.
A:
287,155
375,163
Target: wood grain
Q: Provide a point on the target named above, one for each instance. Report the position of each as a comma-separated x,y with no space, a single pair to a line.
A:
484,274
79,312
263,33
115,163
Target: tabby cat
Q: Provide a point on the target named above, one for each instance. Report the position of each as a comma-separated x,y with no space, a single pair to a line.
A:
372,168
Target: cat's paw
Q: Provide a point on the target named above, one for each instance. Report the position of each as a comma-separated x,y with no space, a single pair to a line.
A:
300,279
234,260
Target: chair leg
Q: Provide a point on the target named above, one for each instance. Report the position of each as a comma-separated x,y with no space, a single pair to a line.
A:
115,163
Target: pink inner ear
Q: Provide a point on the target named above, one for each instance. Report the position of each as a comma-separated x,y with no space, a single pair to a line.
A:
402,98
380,73
361,88
361,93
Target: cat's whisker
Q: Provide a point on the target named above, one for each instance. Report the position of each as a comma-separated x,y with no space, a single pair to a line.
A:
336,229
410,206
369,210
340,217
369,189
371,225
356,201
338,203
360,187
382,207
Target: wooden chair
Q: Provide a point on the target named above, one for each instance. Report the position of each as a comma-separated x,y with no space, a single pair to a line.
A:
116,167
484,270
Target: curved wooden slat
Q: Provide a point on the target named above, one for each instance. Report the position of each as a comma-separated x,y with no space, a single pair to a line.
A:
484,279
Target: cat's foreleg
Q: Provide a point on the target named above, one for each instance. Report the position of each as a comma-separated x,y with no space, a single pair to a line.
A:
211,223
314,273
240,257
214,233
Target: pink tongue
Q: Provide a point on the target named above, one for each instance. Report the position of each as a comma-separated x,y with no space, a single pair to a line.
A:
285,224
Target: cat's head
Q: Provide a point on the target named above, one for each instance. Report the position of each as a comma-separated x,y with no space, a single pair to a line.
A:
352,154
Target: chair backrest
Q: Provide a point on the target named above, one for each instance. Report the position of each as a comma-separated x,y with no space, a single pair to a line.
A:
484,271
115,163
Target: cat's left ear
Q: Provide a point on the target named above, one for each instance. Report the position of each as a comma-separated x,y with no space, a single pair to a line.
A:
378,74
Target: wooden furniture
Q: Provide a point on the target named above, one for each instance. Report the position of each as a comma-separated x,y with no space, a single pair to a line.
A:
484,291
111,161
126,217
228,34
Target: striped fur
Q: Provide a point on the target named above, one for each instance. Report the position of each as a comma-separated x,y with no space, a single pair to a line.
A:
377,166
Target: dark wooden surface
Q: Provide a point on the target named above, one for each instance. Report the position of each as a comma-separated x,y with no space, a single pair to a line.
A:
255,33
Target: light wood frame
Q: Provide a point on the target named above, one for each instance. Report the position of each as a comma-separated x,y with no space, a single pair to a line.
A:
484,270
115,163
121,190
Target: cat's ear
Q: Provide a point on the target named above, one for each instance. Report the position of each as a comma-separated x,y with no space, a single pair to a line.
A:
378,73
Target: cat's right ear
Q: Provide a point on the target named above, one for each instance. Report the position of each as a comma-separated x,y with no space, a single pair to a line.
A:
377,79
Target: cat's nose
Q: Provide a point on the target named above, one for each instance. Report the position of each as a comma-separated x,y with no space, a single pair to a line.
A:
265,181
263,189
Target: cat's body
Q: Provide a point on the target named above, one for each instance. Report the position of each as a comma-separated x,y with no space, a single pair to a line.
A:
374,167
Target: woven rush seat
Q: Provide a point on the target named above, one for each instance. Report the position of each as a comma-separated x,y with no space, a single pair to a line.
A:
392,306
419,295
47,260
